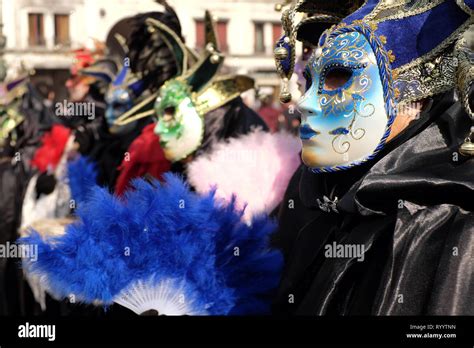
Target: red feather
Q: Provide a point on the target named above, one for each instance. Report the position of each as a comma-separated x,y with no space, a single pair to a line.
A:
145,156
49,154
83,58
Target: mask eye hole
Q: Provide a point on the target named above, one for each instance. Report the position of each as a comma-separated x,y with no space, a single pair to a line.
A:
308,78
336,78
169,113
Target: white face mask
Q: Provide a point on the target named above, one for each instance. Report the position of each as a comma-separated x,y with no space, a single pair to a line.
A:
179,126
346,124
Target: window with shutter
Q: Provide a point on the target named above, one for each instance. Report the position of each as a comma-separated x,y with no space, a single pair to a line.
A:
35,29
61,29
259,38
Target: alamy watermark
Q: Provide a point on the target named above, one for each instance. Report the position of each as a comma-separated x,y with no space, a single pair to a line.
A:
345,251
75,109
247,156
28,330
23,251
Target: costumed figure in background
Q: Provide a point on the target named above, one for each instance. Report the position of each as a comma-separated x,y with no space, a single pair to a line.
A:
145,63
204,253
209,134
23,120
48,194
381,216
64,178
82,88
48,202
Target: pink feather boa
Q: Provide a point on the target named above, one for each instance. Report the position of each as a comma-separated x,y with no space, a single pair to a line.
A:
256,167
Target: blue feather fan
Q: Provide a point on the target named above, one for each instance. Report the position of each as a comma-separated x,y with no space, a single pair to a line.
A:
82,176
192,252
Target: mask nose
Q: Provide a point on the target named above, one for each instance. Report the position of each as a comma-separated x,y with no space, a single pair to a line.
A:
308,105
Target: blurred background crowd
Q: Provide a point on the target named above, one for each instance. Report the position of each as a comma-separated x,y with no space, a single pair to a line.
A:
43,37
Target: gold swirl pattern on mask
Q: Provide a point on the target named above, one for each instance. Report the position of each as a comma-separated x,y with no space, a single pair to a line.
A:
341,142
348,48
343,101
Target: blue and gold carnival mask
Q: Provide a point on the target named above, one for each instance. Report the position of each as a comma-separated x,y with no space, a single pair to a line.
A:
182,103
367,63
120,97
123,89
342,123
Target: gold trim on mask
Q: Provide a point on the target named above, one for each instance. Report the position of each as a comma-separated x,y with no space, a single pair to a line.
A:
176,44
122,41
134,113
220,91
397,9
438,49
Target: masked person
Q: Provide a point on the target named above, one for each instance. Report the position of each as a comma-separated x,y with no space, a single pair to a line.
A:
190,238
196,107
132,46
47,199
208,133
63,178
379,219
23,120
